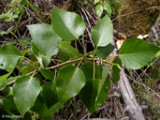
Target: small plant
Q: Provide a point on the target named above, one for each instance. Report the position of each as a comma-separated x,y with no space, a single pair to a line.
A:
16,10
67,71
108,6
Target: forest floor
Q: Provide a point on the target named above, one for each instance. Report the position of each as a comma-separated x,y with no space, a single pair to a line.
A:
145,82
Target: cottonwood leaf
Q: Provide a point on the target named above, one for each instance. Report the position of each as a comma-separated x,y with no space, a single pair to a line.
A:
68,25
67,52
25,92
44,38
47,74
49,93
136,53
102,33
43,111
103,52
94,93
9,57
69,82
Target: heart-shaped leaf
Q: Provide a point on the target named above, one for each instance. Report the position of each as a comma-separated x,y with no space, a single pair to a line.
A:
47,74
69,82
43,111
102,33
49,93
94,93
136,53
9,56
103,52
25,92
44,38
68,25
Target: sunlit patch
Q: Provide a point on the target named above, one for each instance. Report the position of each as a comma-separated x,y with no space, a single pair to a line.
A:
142,36
119,44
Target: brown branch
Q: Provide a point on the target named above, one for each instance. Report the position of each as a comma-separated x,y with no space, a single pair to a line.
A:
132,106
76,60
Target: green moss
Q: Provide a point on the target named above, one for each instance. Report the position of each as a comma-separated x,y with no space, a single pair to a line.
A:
138,17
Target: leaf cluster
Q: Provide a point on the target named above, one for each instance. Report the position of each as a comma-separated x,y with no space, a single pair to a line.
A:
52,71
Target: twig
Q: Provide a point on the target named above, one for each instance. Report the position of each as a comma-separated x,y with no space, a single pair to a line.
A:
76,60
154,7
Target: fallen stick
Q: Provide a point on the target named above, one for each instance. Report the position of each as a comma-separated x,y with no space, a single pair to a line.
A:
132,106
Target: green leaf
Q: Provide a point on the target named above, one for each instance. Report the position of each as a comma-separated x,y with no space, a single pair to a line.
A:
4,82
24,41
46,60
68,25
43,111
69,82
103,52
3,79
49,93
8,103
47,74
99,10
24,52
102,33
8,91
6,32
35,51
90,90
43,60
9,16
116,70
107,8
44,39
67,51
9,56
96,1
25,92
104,84
136,53
94,93
158,54
25,68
